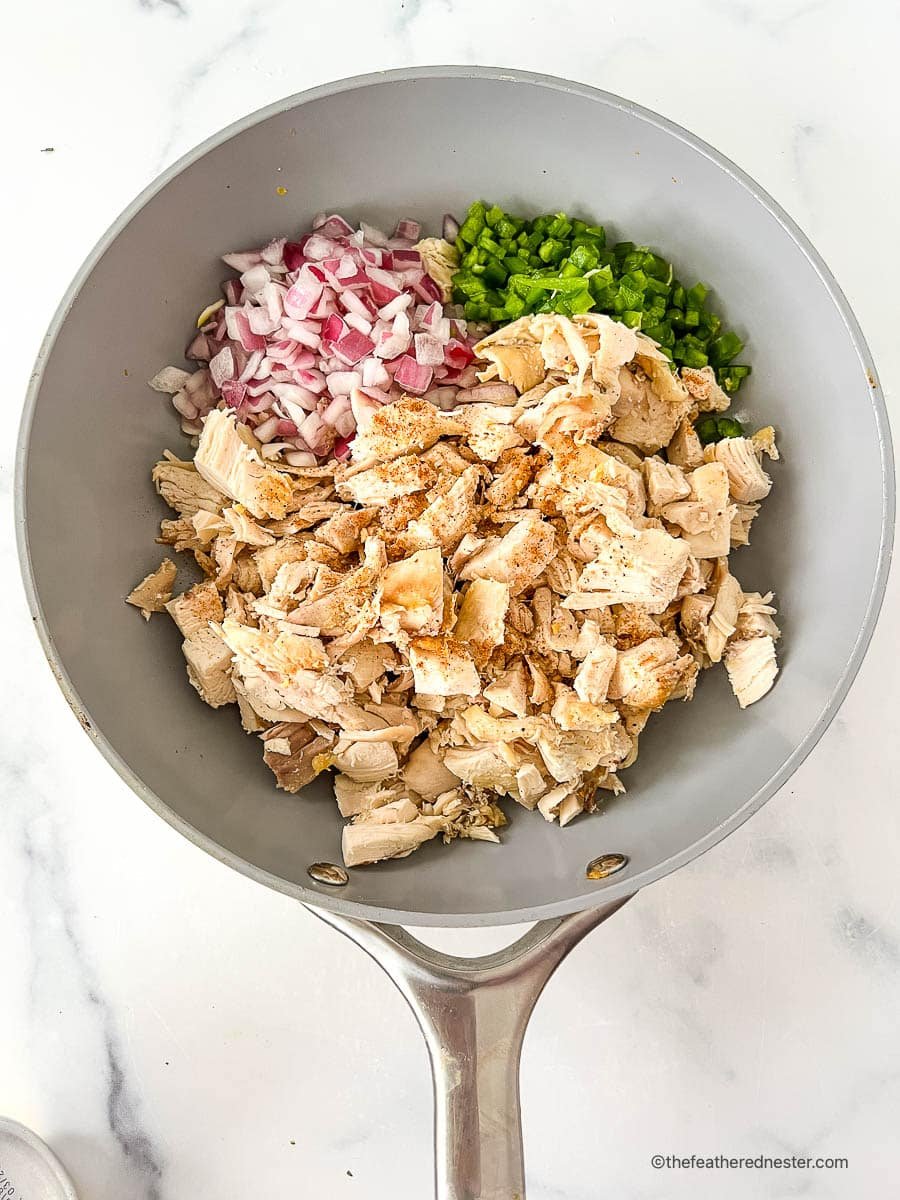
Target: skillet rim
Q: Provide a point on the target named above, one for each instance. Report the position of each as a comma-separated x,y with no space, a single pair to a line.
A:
613,889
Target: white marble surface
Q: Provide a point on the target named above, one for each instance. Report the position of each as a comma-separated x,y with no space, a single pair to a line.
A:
177,1031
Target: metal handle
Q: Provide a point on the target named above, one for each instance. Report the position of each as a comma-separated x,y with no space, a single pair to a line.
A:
473,1013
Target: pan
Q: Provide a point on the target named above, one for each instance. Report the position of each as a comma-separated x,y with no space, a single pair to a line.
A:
424,141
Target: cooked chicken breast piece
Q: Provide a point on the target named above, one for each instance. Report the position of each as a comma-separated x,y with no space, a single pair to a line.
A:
185,490
593,676
646,675
196,608
645,568
481,621
705,518
447,519
370,843
747,480
751,667
412,593
209,667
440,259
154,591
226,461
442,666
425,773
295,754
652,404
517,558
407,427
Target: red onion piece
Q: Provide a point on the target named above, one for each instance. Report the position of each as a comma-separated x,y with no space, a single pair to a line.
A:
242,260
429,351
413,376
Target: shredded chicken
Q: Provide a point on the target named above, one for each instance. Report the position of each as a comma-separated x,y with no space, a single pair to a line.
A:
481,605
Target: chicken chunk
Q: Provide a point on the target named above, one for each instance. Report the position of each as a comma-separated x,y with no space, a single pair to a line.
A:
685,450
652,404
154,591
196,608
295,754
185,490
447,519
705,518
442,666
646,675
481,621
425,773
489,429
404,428
517,558
225,460
440,259
371,843
702,386
751,667
353,605
388,481
593,676
645,568
747,481
665,483
209,667
412,597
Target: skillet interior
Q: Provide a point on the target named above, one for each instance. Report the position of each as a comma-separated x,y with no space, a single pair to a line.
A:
419,143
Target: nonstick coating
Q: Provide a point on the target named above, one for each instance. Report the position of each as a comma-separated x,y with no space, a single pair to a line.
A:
418,143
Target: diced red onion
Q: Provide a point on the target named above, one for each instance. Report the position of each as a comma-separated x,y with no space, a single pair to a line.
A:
426,288
333,227
303,313
342,383
268,429
234,393
409,229
247,369
307,333
360,324
413,376
318,248
300,458
339,405
429,351
373,235
273,252
374,374
261,322
406,260
242,260
232,291
353,347
295,394
198,350
293,255
255,279
399,304
450,229
222,366
185,405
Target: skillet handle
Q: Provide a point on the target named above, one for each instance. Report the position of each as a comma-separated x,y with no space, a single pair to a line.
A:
473,1013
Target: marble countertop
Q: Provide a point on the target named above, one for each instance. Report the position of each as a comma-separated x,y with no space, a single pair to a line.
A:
174,1030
